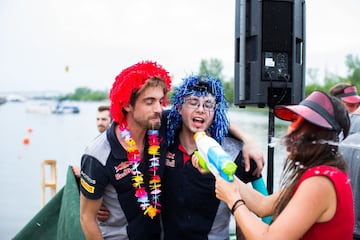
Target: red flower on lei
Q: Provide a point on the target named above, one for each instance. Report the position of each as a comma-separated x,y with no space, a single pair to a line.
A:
151,207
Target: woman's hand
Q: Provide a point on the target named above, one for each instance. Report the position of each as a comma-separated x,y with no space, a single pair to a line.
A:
226,191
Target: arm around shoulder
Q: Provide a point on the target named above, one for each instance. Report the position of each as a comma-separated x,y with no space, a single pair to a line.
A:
250,149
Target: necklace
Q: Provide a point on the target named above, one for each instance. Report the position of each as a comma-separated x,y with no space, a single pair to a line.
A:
150,207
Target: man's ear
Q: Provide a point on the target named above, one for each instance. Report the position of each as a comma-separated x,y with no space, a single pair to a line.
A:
128,107
179,109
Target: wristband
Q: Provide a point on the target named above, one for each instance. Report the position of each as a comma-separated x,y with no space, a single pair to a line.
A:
237,204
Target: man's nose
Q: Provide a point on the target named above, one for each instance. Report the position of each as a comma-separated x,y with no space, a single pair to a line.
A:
201,107
158,107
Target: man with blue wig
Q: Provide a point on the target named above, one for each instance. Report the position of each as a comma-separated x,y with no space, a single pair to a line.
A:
190,207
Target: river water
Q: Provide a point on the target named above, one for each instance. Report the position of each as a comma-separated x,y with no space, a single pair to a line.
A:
63,138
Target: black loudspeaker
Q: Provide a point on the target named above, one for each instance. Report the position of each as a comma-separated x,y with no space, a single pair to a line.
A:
269,52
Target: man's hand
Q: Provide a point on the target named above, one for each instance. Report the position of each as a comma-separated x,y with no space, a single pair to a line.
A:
195,163
251,151
76,171
103,213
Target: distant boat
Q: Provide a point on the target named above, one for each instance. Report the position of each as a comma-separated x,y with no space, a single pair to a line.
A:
15,98
61,109
2,100
42,107
48,107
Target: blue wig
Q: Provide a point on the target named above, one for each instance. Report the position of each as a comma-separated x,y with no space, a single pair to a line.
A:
199,85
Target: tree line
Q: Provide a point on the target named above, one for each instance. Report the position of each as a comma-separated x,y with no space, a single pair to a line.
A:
215,68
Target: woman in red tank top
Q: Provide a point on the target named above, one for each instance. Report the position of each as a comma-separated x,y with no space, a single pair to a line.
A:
315,198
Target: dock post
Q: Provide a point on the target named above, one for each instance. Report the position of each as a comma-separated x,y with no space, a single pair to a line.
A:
48,181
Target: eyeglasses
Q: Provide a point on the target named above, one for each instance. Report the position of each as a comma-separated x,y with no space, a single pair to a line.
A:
194,103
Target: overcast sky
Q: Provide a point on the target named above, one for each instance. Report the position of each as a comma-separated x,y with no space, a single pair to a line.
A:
96,39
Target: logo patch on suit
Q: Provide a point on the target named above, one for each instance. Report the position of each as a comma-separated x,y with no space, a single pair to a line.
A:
122,170
87,186
170,159
122,166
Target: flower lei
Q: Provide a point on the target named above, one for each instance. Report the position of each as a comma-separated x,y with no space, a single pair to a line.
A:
150,207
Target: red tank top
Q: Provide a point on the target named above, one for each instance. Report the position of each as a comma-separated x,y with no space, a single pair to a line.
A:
341,226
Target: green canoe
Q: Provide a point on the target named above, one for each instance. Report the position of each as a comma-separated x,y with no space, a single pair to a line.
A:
59,218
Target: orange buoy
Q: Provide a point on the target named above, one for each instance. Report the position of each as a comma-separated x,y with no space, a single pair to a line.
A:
29,130
26,140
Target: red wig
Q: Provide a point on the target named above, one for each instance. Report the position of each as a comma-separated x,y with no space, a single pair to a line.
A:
129,81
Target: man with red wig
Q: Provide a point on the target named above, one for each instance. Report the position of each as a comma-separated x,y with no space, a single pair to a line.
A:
124,163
